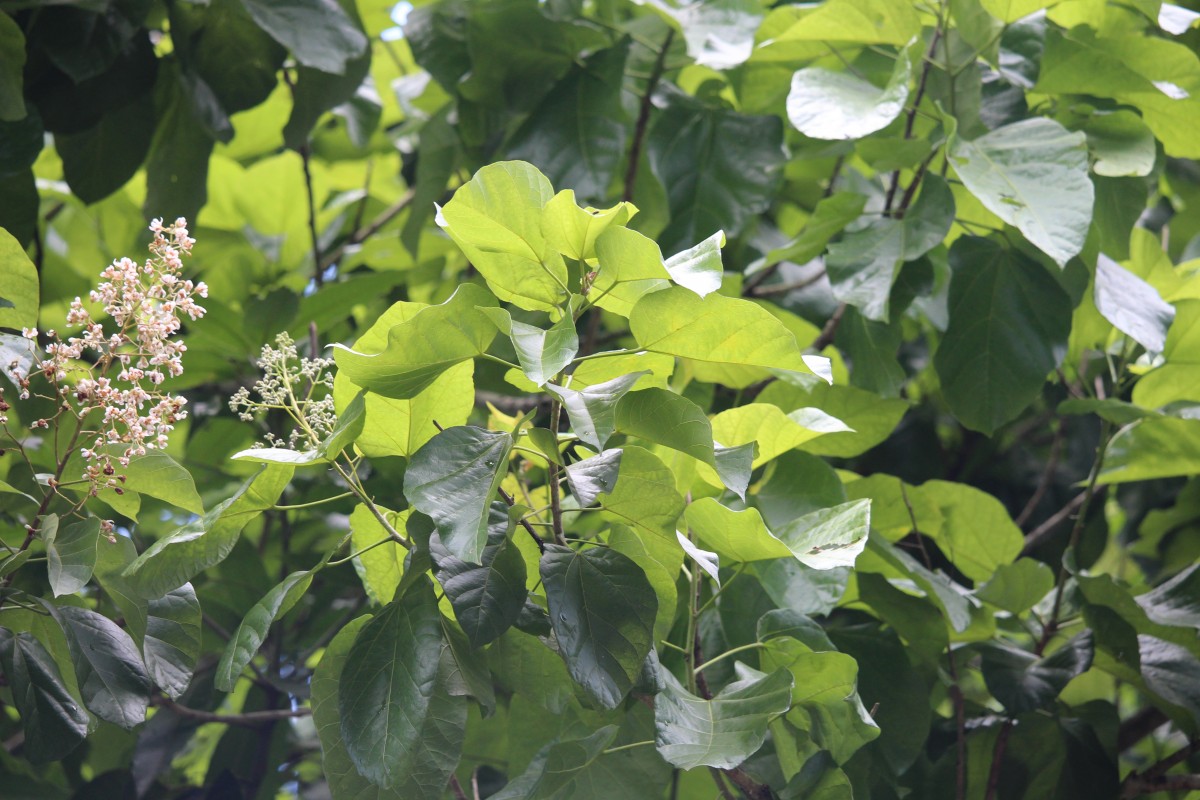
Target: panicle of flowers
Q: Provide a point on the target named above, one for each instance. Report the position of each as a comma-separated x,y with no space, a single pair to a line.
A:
302,387
146,304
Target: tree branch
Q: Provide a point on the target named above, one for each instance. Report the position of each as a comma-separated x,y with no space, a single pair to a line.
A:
370,229
643,118
248,719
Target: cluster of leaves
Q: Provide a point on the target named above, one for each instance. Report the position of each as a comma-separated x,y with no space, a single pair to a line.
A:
831,433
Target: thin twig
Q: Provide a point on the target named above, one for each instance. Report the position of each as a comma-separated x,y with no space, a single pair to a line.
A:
246,719
719,780
1041,532
643,118
912,112
456,787
784,288
993,781
960,729
552,473
830,330
371,228
1044,481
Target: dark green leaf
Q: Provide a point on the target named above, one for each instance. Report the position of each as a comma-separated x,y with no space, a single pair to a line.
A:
1017,587
1023,682
318,32
602,610
576,136
828,219
722,732
555,765
863,266
172,642
453,478
645,497
719,167
487,597
71,553
1009,321
12,55
102,159
1176,602
253,629
398,722
177,164
54,724
178,557
112,678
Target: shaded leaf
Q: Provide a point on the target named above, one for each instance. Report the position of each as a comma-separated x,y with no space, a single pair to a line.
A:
54,724
112,678
71,553
172,643
253,629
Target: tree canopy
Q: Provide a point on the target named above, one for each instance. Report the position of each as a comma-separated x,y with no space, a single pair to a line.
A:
541,400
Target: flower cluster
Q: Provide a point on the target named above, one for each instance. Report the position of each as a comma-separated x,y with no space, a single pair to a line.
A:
300,387
146,304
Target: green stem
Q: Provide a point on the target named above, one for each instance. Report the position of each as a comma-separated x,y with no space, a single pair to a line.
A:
627,746
314,502
727,653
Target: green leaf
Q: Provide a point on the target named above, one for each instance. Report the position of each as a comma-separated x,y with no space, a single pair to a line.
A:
18,285
872,418
1118,412
253,629
719,34
178,557
440,154
1017,587
496,218
707,561
821,540
1013,10
602,609
645,497
112,678
453,478
54,724
593,410
975,531
1171,671
349,427
1009,322
716,329
828,219
720,168
825,700
824,104
71,553
100,160
1140,71
576,135
398,723
1157,447
775,432
400,426
722,732
177,164
379,568
555,766
12,55
1133,306
487,597
158,475
863,266
664,417
573,231
592,477
1121,144
699,268
631,266
318,32
423,346
1023,682
344,780
279,455
1176,379
1032,174
542,353
172,643
1175,602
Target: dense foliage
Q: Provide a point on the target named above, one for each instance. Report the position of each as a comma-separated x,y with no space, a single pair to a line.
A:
599,400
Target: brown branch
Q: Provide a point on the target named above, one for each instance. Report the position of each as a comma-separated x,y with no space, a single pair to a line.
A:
1043,531
912,117
1044,481
784,288
370,229
1139,786
722,789
643,118
247,719
456,787
1138,727
552,479
960,730
998,760
830,330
